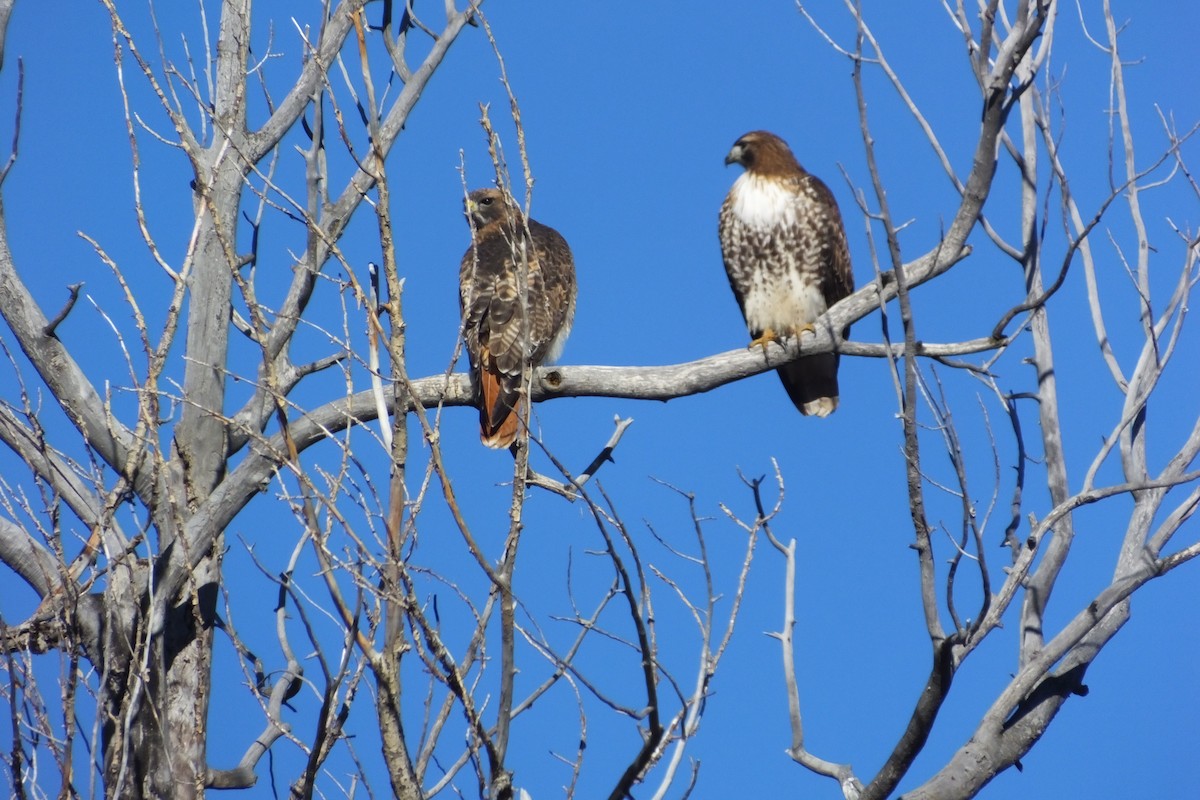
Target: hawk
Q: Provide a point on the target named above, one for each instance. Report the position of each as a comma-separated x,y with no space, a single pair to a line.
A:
503,330
786,257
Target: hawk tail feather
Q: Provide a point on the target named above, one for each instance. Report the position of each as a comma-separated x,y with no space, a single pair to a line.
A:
811,383
499,410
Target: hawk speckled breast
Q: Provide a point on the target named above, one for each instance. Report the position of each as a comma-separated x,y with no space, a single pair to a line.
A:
785,253
504,328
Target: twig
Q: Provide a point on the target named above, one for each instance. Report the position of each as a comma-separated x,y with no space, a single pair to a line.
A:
53,324
570,490
842,773
5,10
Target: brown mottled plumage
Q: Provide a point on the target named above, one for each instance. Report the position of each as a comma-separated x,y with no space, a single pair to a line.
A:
502,333
786,256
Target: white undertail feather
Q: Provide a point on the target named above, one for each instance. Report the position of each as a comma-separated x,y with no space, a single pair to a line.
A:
821,407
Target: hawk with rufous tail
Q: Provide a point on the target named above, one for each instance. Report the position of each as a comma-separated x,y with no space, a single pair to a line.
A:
517,297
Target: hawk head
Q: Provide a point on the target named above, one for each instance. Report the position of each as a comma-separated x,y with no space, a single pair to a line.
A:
485,206
763,153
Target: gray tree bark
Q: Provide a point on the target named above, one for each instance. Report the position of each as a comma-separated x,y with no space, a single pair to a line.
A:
150,632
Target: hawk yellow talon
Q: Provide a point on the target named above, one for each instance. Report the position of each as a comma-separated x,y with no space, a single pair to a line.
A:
765,338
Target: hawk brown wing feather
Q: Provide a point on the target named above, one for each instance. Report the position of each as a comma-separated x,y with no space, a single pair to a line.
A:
813,379
839,277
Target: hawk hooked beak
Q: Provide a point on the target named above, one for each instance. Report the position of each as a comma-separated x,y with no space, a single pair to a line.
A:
472,212
735,155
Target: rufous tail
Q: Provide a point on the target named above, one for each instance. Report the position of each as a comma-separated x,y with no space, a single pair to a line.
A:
499,411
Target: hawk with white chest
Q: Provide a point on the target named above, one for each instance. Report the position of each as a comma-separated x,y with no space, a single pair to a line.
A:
517,298
786,256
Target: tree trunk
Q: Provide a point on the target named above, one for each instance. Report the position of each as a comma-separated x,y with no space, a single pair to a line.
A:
158,657
154,694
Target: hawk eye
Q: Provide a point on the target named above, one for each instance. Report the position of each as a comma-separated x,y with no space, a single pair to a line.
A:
486,201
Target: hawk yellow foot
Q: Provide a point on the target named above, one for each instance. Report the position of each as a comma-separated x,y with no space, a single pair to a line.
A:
807,327
764,339
770,335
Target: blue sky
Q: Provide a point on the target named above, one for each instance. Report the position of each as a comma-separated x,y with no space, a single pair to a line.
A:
629,109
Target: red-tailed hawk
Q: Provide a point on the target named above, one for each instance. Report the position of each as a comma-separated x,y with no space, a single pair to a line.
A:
785,253
503,330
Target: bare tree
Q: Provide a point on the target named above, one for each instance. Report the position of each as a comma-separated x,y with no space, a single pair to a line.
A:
1007,55
156,489
240,384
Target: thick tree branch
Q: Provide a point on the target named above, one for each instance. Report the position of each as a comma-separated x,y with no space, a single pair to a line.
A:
28,558
333,32
54,363
661,383
53,469
1018,717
